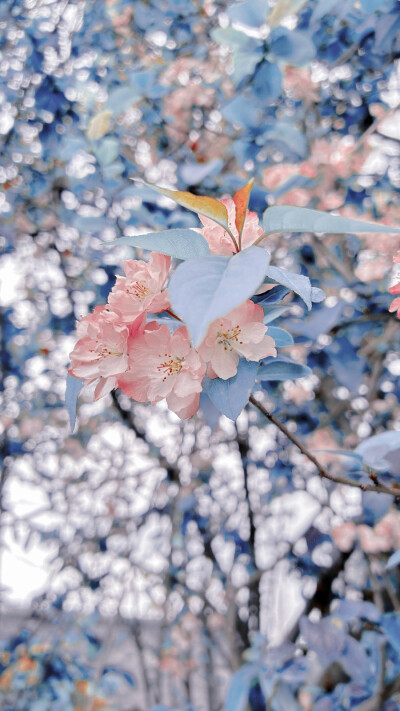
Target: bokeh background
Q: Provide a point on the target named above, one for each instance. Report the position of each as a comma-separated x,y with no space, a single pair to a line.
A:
148,562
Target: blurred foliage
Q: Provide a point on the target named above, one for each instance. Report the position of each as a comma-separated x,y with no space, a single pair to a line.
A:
218,535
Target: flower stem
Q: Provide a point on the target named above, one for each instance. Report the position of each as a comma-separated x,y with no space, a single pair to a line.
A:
322,471
171,313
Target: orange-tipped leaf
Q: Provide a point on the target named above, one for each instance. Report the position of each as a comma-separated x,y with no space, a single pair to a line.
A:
241,200
206,206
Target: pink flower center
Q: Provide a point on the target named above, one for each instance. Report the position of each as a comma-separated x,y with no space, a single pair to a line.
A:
104,352
229,337
138,289
172,366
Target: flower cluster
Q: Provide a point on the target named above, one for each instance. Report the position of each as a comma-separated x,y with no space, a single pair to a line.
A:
219,241
123,344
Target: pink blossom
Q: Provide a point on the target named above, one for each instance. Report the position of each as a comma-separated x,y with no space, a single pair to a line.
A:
162,365
140,291
240,333
219,240
102,349
395,306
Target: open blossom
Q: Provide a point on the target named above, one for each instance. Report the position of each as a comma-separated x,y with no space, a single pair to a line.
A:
239,333
102,349
162,365
395,289
219,240
141,289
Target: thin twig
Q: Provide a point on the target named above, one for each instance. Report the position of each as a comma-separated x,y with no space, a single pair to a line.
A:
322,471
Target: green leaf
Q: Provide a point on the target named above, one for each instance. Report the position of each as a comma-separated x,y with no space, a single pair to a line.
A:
179,243
204,289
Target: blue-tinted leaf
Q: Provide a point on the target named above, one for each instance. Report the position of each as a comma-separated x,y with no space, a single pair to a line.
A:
230,396
391,625
194,173
122,98
298,283
317,295
74,386
107,151
341,452
242,113
292,46
393,561
285,218
355,660
250,12
238,691
283,699
210,413
114,670
325,639
280,336
282,370
273,296
374,506
247,51
349,610
273,312
203,289
267,82
181,243
382,452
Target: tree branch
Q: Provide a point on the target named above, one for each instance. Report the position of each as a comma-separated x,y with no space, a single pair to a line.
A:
322,471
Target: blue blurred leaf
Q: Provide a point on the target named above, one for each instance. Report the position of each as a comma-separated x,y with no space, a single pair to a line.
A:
125,675
74,386
273,312
247,51
106,151
251,12
350,610
298,283
230,396
382,452
327,640
280,336
317,295
292,46
278,369
300,219
203,289
391,625
393,561
238,690
267,82
193,173
180,243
